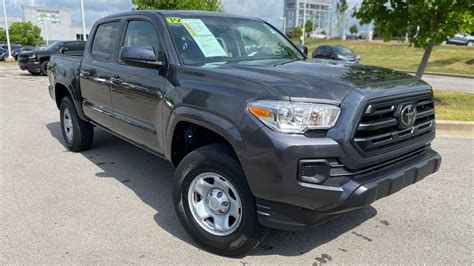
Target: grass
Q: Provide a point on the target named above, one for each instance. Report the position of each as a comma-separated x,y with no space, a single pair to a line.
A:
444,59
454,105
9,62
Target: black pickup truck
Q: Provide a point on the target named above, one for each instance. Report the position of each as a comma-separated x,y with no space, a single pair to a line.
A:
36,61
261,136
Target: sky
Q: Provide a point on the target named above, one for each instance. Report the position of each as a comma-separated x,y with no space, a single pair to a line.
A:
269,10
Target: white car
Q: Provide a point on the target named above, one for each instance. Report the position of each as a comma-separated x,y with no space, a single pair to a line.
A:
462,39
317,36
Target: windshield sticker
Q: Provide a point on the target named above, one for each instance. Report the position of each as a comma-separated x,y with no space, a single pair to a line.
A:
204,38
173,20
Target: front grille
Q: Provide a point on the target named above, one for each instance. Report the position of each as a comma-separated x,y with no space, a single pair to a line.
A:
380,129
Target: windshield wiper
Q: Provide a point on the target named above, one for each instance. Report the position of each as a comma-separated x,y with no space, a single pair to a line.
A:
224,59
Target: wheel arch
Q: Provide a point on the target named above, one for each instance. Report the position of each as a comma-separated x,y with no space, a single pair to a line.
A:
221,128
61,91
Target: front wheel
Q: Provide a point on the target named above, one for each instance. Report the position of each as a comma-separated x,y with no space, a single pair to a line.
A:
44,68
77,133
214,203
470,43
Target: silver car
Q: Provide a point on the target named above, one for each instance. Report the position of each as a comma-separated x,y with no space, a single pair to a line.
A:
462,39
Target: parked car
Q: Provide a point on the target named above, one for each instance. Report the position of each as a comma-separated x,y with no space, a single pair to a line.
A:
3,54
336,52
261,137
36,61
19,49
315,35
462,39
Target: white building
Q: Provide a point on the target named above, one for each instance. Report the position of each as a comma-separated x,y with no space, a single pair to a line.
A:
317,11
55,23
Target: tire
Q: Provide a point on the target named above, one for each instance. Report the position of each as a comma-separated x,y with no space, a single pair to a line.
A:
34,73
44,67
77,133
218,161
470,43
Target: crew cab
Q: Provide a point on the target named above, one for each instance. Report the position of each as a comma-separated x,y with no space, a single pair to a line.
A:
261,136
36,61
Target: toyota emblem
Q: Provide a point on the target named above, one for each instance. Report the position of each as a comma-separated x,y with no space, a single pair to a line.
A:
407,116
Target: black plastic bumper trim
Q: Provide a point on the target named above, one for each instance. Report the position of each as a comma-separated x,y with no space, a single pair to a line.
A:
358,193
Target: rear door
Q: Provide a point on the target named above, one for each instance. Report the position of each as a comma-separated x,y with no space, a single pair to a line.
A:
96,70
137,90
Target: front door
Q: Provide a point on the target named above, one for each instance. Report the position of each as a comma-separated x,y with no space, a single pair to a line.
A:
137,90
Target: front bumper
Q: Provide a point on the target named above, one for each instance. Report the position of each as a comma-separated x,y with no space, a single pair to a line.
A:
30,66
360,191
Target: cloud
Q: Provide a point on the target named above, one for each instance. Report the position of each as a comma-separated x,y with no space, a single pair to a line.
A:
268,10
93,9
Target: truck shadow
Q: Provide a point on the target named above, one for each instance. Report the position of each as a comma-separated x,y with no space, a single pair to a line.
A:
151,179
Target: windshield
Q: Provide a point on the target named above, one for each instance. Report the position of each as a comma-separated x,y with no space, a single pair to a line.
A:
342,50
54,46
204,40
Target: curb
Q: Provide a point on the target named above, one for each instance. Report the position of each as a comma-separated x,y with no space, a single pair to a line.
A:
439,74
455,129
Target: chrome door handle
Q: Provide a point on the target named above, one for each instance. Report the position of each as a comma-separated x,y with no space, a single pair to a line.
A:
116,80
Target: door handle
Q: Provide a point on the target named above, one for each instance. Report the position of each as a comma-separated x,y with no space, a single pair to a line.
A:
85,74
116,80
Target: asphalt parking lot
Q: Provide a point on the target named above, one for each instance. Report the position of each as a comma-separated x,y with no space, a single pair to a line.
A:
111,204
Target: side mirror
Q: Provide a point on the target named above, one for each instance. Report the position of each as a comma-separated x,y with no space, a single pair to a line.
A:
303,49
63,50
143,55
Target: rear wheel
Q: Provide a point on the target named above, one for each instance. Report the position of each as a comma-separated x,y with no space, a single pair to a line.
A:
44,67
470,43
77,133
214,203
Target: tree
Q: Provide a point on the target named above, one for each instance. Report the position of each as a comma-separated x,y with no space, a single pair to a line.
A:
353,29
298,32
308,27
25,33
425,23
341,18
206,5
3,36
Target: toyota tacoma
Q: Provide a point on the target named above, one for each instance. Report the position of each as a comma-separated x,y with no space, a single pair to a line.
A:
261,136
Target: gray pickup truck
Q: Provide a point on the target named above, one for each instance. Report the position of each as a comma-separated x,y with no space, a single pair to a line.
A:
261,136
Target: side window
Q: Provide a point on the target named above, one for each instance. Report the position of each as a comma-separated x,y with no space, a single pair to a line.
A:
322,51
319,51
141,33
325,51
104,41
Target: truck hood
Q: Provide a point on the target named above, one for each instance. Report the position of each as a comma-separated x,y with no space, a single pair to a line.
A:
322,79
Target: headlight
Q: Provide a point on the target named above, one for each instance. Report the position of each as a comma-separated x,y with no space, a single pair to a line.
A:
294,117
341,57
32,58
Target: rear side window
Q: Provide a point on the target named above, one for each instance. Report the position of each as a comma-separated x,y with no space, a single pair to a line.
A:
104,41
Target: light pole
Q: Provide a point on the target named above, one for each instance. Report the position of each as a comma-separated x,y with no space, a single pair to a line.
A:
46,32
304,22
6,30
284,24
84,35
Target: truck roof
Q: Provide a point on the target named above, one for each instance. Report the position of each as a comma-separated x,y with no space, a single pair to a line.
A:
177,13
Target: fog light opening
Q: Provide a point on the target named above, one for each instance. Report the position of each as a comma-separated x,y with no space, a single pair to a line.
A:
314,171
